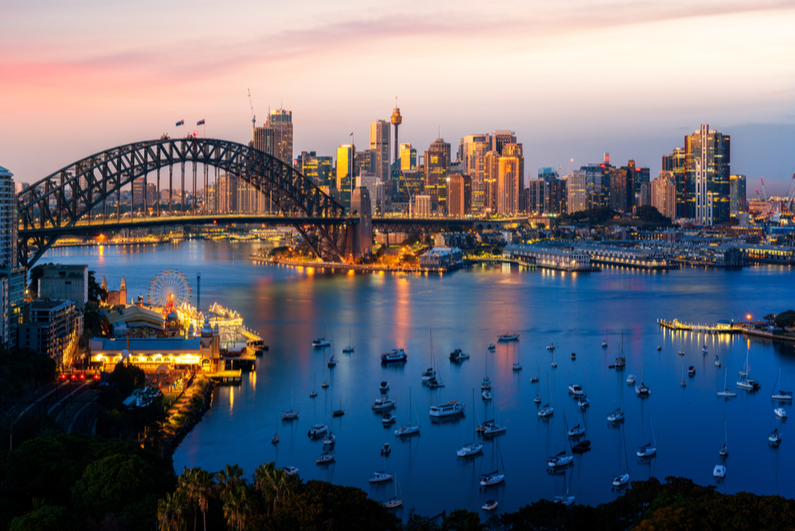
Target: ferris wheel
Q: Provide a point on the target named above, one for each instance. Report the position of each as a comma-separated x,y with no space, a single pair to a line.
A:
169,289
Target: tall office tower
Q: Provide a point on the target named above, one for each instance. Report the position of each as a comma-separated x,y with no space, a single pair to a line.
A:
409,184
459,195
408,157
396,121
346,159
138,193
472,153
375,187
281,121
663,194
514,149
437,169
210,198
707,163
12,277
500,138
491,175
265,140
738,197
577,191
366,162
643,197
675,162
509,185
320,170
597,186
537,201
547,194
379,145
227,193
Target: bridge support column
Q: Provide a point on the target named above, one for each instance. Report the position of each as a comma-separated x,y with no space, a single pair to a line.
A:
359,237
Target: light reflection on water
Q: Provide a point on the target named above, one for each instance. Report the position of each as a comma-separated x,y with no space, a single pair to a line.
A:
290,307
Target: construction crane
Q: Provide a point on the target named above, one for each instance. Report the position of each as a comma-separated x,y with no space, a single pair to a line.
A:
790,194
764,192
253,117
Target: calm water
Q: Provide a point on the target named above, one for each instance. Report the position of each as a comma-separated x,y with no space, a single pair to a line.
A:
290,307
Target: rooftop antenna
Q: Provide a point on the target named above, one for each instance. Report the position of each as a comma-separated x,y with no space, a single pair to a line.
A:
253,117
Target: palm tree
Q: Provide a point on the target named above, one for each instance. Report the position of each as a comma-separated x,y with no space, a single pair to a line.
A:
197,484
231,476
236,506
171,510
274,484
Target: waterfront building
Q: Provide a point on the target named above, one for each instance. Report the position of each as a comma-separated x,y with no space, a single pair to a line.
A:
437,168
509,185
563,258
379,145
135,321
346,157
265,140
281,122
13,279
707,166
459,195
738,201
66,282
408,157
663,194
675,163
472,153
440,257
51,327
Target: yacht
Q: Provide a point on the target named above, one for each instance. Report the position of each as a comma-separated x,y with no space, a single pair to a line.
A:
576,431
292,414
383,403
397,355
704,349
537,399
329,439
551,346
490,505
749,384
428,373
332,361
584,401
576,390
470,449
724,451
317,430
775,436
648,450
394,502
494,478
546,411
321,342
384,387
517,366
349,348
325,459
615,416
691,371
631,379
719,472
386,449
380,476
325,384
779,394
486,395
780,412
620,480
560,460
642,390
726,393
458,355
408,429
448,409
434,383
502,338
621,362
493,429
388,419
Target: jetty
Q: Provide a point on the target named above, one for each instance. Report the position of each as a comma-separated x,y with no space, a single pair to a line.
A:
722,327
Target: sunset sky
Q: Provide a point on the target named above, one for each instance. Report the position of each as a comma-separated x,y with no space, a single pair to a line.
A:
574,79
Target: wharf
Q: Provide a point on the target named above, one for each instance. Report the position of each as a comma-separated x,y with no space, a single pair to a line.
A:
718,328
366,268
232,376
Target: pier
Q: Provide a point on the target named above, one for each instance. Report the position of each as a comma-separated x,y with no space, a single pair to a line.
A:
718,328
233,376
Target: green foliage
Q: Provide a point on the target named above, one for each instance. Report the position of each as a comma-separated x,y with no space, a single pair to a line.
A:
127,378
651,214
47,518
785,319
591,216
462,520
95,291
20,367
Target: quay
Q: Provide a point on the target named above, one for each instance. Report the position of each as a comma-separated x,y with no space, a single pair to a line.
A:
718,328
341,266
230,376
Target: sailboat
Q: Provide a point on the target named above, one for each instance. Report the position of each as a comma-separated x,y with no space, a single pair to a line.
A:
547,410
321,342
338,412
724,451
566,499
563,458
430,372
517,365
394,502
622,479
642,390
494,478
472,448
486,384
554,363
492,347
683,383
292,414
507,336
618,414
648,450
779,394
435,381
621,361
726,393
584,401
492,427
313,394
534,379
349,348
408,429
324,385
604,341
747,383
578,430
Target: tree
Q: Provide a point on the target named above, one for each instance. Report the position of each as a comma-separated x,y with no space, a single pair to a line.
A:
770,318
47,518
651,214
237,507
127,378
170,511
197,484
462,520
785,319
95,291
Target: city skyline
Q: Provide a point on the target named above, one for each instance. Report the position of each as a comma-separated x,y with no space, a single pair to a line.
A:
97,87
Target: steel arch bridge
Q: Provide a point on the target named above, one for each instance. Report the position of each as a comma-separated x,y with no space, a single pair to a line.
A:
75,198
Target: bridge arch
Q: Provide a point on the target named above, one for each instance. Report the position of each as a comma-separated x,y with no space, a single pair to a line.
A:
76,192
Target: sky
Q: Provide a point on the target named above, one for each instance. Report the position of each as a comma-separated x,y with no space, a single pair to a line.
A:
573,78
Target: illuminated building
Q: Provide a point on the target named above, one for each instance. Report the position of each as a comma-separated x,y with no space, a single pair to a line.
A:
422,206
408,157
366,162
396,120
577,191
675,162
346,157
472,153
547,194
491,174
265,140
707,162
509,185
738,203
514,149
500,138
379,145
409,184
437,169
50,328
459,192
320,170
281,121
13,279
375,189
663,194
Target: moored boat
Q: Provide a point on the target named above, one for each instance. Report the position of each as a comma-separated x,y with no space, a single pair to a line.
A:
447,409
397,355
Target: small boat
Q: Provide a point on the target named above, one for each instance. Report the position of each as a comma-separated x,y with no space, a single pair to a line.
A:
386,449
573,356
546,411
317,430
717,361
394,502
380,476
325,384
507,336
408,429
290,470
551,346
577,431
683,383
779,394
726,393
313,393
470,449
320,342
780,412
565,500
458,356
332,362
774,437
659,348
428,373
492,347
719,472
275,439
537,399
620,480
642,390
749,384
681,353
560,460
325,459
604,341
382,403
434,383
704,349
724,451
517,366
576,390
490,505
493,478
631,379
581,447
292,414
493,429
338,412
584,401
447,409
554,363
486,383
397,355
486,395
388,419
349,348
533,379
650,449
329,439
691,371
384,387
615,416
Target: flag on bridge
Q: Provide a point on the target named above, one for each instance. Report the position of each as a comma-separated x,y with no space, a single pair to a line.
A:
181,122
200,122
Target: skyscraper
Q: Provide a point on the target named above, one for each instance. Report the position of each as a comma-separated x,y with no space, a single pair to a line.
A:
408,157
366,162
437,169
12,277
459,195
379,144
675,162
319,169
472,153
509,185
663,194
265,140
500,138
738,195
346,158
707,158
281,121
491,175
577,191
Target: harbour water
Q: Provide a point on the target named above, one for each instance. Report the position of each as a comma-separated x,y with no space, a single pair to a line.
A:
291,306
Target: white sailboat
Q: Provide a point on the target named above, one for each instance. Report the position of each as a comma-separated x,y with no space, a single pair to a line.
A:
507,336
554,363
394,502
493,427
726,393
617,415
562,458
547,410
349,348
778,394
492,347
321,342
472,448
683,383
584,401
494,478
486,383
724,451
430,372
292,414
642,390
747,383
622,478
648,450
604,341
408,429
566,499
313,393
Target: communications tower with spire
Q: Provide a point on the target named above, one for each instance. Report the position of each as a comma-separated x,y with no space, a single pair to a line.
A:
396,121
